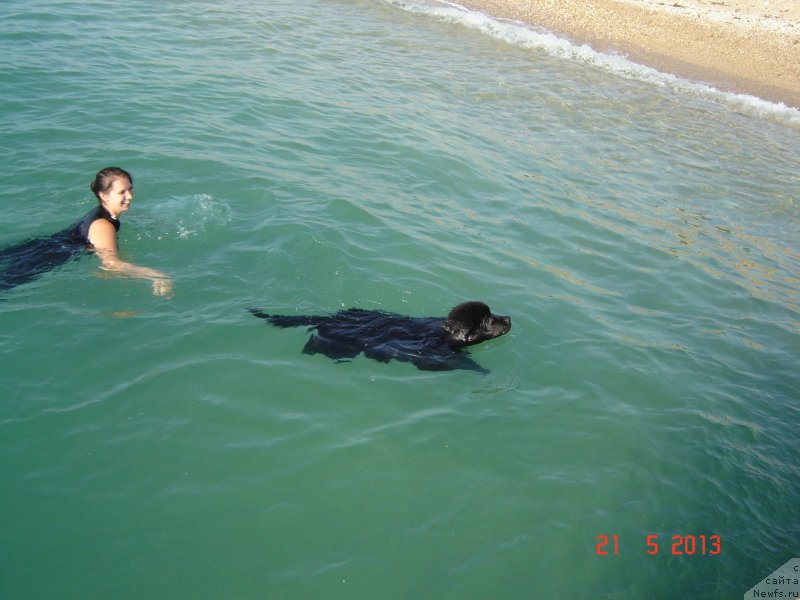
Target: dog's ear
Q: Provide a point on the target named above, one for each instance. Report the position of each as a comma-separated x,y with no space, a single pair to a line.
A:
469,314
465,320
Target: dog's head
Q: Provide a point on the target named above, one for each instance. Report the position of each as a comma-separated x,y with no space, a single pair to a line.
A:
472,323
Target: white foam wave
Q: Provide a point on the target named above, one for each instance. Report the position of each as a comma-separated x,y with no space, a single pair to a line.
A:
525,36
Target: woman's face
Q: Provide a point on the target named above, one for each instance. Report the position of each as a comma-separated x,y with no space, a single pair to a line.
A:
118,197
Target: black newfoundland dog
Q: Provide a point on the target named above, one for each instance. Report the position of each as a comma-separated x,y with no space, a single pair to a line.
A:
430,343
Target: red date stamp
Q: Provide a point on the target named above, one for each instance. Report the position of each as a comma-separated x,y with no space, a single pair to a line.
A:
676,545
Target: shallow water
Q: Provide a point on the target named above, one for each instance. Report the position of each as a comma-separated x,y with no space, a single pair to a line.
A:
305,157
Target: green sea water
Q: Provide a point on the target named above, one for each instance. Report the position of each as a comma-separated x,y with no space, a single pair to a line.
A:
303,157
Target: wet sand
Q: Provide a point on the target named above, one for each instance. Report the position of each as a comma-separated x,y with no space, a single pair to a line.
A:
743,46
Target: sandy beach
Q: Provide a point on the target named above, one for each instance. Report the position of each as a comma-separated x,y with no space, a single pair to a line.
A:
744,46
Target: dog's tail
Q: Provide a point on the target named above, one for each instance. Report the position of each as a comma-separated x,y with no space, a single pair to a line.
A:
287,320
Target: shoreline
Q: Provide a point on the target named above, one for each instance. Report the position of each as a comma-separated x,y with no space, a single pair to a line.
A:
740,46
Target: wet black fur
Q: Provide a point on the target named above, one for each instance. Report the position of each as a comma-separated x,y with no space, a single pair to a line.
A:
430,343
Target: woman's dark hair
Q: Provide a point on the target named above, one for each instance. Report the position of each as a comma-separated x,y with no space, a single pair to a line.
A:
105,178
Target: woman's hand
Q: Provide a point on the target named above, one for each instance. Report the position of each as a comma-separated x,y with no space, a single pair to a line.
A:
162,286
162,283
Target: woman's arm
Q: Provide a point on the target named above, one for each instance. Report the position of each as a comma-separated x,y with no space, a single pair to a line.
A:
103,236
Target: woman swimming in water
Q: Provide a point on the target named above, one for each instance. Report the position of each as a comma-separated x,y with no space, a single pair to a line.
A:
96,231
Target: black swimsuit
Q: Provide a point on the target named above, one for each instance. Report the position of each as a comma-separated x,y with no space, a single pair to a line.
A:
28,260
